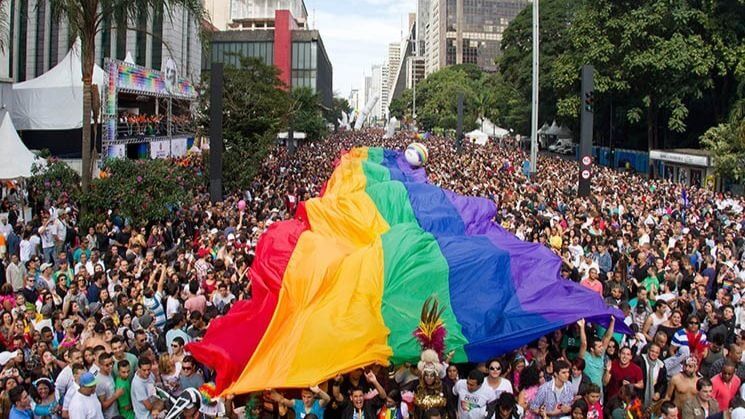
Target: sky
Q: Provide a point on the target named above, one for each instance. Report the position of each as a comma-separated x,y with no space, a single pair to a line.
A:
356,34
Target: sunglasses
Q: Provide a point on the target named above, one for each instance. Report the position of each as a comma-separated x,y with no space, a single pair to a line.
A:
692,323
495,368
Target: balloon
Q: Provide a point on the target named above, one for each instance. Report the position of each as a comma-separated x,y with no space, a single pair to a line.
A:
241,205
416,154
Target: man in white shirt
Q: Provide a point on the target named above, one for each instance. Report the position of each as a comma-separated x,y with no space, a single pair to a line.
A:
15,272
65,379
473,396
84,403
48,233
77,370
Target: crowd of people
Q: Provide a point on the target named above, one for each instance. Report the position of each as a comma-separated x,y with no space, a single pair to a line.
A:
94,323
139,125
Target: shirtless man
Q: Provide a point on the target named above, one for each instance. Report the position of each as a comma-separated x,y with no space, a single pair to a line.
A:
682,386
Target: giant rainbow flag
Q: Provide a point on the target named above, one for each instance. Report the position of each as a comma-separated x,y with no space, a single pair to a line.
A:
342,285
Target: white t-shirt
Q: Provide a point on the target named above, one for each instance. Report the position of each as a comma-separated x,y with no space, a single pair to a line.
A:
472,405
68,395
48,235
504,386
85,407
25,250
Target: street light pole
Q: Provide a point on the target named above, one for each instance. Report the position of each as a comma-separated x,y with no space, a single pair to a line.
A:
534,116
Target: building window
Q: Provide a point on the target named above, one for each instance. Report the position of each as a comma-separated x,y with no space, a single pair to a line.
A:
141,39
22,33
41,14
157,53
121,40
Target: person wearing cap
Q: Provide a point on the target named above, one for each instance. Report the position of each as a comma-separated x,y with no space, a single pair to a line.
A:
45,279
84,403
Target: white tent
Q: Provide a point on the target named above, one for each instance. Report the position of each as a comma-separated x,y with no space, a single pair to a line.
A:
128,58
15,160
491,129
477,136
54,100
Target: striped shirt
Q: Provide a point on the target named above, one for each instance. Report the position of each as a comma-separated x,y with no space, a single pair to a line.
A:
680,338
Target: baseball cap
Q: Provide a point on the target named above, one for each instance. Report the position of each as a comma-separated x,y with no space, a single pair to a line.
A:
45,266
231,237
6,356
87,380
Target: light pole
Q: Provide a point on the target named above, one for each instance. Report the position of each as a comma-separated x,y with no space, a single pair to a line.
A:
534,116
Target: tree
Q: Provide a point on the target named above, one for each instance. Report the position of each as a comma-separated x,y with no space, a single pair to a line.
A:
338,105
437,97
654,55
255,108
84,18
727,142
306,113
516,61
400,107
4,23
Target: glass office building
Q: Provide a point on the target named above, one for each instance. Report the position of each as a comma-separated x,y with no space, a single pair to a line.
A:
300,56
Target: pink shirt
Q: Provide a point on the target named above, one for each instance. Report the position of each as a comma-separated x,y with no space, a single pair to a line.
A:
722,392
196,303
597,286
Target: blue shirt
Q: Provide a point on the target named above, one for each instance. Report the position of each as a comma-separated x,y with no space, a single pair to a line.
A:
300,412
20,414
550,397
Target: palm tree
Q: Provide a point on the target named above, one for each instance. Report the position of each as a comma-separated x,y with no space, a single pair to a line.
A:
85,19
4,16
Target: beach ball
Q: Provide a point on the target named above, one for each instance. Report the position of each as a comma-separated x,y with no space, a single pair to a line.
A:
241,205
416,154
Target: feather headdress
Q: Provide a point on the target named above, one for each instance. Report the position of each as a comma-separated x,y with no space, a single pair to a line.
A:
431,331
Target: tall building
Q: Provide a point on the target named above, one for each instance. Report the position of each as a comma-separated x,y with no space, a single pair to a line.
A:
376,89
465,31
384,90
219,11
354,99
391,70
36,42
275,31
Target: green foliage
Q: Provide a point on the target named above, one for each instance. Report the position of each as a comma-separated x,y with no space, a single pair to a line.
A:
515,64
437,98
160,186
727,142
400,107
338,105
656,59
53,182
255,108
306,113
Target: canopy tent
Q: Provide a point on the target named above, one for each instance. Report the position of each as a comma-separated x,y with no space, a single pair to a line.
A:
553,130
128,58
477,136
491,129
543,129
564,132
15,160
54,100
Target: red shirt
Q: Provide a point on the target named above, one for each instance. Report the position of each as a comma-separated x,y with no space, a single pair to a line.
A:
722,392
618,374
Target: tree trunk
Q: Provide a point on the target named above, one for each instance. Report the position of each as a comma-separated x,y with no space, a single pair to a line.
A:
88,53
86,175
651,140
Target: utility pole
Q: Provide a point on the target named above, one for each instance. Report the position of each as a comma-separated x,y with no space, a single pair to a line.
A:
534,116
216,141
